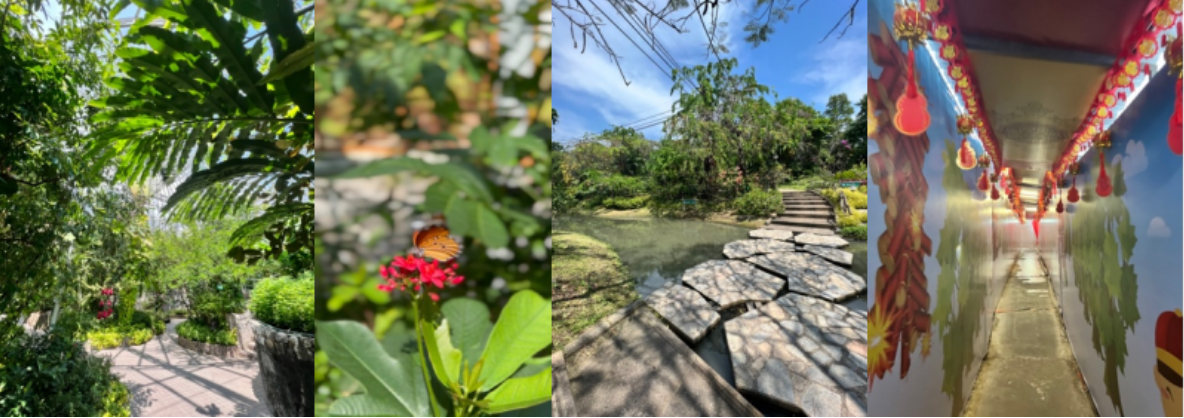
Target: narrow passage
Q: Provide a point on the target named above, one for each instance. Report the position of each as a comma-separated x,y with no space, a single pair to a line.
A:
1029,369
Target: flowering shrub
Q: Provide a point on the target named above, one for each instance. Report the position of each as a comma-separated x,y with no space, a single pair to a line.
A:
105,304
416,273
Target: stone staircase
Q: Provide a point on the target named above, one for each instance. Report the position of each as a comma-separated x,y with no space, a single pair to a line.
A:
805,212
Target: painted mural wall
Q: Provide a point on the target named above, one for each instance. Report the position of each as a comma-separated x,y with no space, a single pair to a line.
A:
943,251
939,263
1120,287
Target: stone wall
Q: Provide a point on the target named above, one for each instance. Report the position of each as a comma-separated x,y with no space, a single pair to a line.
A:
246,331
286,364
224,351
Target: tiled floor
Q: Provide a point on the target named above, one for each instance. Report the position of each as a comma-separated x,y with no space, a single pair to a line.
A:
166,380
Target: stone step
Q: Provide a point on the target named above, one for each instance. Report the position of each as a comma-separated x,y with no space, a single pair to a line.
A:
799,229
805,213
806,222
811,201
806,206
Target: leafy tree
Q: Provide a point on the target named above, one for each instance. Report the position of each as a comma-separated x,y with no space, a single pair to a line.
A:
200,99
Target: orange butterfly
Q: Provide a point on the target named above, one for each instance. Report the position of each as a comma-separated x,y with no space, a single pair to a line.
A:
433,242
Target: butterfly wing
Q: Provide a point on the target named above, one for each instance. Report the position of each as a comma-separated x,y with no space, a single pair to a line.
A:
435,243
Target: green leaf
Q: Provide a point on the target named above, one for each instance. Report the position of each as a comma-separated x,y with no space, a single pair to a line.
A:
523,329
388,381
469,320
444,357
299,60
364,406
341,296
462,176
521,392
490,228
461,214
430,36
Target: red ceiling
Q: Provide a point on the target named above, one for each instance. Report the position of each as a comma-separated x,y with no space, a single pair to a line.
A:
1097,26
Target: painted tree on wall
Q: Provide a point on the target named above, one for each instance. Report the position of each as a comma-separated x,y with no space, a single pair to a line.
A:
1108,283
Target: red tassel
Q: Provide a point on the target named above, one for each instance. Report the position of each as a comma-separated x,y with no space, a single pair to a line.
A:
1175,133
966,160
1036,227
1103,188
1060,206
994,192
983,183
1073,195
912,113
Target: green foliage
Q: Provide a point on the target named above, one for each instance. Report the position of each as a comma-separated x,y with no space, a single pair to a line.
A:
848,221
126,307
50,375
285,302
759,203
858,172
858,233
485,369
136,333
210,302
103,339
192,100
856,199
196,331
863,188
626,203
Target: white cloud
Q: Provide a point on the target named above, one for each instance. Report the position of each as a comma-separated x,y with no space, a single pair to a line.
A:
838,67
1135,159
1158,228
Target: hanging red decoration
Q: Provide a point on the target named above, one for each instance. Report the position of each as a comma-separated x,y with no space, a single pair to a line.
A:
994,191
1073,195
983,184
912,113
984,162
1175,61
966,159
1060,205
1104,188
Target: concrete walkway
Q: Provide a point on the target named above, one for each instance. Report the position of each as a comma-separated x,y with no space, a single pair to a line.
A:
166,380
1029,368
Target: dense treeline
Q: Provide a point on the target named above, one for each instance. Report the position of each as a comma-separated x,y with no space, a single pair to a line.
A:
729,146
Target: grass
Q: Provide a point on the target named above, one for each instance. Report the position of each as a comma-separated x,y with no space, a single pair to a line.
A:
588,283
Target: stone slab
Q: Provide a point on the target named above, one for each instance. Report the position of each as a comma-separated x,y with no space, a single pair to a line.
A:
685,309
732,282
812,275
750,247
804,353
820,240
777,234
833,255
640,368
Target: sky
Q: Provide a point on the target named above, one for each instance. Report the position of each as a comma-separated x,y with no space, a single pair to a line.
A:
591,96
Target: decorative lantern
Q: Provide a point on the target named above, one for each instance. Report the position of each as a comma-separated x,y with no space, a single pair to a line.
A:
1102,141
984,184
1073,195
1172,55
966,160
994,191
912,113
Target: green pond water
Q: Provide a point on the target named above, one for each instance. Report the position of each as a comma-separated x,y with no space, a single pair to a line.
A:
657,251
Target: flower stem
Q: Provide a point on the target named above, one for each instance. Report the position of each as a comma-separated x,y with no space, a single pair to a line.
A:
423,362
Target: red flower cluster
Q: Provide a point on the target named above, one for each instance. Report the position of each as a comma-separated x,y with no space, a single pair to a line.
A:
106,303
416,272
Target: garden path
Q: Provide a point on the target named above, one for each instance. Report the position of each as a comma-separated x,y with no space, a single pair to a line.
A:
167,380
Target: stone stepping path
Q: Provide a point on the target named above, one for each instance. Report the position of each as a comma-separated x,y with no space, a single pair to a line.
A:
732,282
685,309
811,275
833,255
804,353
820,240
751,247
777,234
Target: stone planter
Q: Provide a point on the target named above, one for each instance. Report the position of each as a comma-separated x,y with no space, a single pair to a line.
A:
286,366
224,351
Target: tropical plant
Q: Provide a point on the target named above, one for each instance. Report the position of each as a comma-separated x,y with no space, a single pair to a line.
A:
200,99
484,368
50,375
285,302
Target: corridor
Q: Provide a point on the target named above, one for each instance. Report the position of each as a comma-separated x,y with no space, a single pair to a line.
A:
1029,369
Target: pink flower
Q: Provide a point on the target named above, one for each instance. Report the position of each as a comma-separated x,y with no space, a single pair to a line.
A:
419,274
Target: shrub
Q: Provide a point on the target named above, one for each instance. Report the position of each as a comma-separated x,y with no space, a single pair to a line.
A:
178,313
127,305
862,216
856,199
863,188
51,375
626,203
212,301
197,331
102,339
760,203
139,335
285,303
847,221
855,232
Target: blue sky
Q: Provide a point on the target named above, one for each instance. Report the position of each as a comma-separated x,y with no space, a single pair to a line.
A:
590,95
